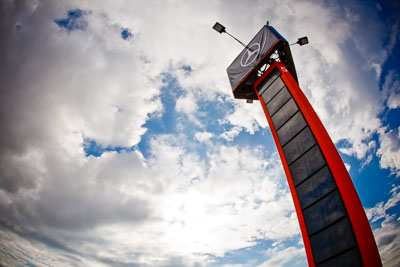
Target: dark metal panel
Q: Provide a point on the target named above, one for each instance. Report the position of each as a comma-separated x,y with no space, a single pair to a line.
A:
315,187
269,92
278,100
355,212
284,113
328,235
324,212
332,240
298,145
292,127
266,83
308,164
350,258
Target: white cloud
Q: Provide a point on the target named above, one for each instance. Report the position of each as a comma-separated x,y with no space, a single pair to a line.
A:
331,69
389,150
203,136
248,117
387,235
232,133
20,251
204,214
394,101
173,203
59,89
348,166
186,104
281,256
388,239
391,90
84,89
380,210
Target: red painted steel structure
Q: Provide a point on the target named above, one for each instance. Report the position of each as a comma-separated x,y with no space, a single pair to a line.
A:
362,231
335,229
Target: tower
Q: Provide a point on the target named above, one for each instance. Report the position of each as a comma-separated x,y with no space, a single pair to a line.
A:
334,227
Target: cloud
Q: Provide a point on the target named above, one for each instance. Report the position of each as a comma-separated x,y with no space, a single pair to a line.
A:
186,104
65,91
203,136
386,234
66,199
388,238
391,89
248,117
282,256
203,214
74,21
328,59
24,251
232,133
389,150
348,166
173,202
83,81
322,78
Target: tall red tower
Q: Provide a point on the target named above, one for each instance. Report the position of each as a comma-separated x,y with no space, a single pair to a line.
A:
335,229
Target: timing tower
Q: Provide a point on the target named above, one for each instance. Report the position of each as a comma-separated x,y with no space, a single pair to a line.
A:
335,229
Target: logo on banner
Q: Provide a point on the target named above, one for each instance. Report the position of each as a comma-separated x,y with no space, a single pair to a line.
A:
250,55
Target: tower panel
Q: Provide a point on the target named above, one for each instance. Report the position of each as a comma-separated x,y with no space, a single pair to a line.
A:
335,229
328,229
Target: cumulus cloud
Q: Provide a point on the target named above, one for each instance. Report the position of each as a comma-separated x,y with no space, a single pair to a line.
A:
389,150
388,240
232,133
349,107
203,214
174,203
77,71
86,89
387,235
247,117
187,104
391,90
282,256
203,136
22,251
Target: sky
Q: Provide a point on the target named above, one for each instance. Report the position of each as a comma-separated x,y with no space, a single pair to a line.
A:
121,143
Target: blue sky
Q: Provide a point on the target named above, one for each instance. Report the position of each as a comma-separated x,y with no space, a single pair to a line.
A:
122,144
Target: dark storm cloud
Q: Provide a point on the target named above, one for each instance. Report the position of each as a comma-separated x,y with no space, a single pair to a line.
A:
70,201
14,175
15,130
120,263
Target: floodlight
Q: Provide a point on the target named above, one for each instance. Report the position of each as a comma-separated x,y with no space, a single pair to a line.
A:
302,41
219,28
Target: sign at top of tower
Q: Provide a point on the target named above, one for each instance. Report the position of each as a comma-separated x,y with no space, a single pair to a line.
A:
250,55
241,71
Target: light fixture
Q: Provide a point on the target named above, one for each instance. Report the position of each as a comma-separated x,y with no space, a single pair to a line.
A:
221,29
301,41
